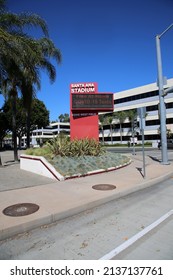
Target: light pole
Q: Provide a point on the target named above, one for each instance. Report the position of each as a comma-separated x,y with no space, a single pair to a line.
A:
161,99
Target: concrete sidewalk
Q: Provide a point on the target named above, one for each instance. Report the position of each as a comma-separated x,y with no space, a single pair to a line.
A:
58,200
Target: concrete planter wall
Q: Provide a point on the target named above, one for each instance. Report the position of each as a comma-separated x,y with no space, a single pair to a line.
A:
39,165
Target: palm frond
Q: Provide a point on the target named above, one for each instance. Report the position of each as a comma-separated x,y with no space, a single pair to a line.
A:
2,5
49,68
49,49
12,21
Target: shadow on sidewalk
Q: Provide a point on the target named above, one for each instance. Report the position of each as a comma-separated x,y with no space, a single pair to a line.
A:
140,169
154,158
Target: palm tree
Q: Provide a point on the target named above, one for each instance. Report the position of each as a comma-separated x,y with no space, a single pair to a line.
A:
101,125
14,42
61,118
132,116
66,117
10,86
31,82
15,47
121,116
109,121
21,57
106,120
168,132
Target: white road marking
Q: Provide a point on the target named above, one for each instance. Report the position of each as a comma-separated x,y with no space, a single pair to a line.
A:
136,237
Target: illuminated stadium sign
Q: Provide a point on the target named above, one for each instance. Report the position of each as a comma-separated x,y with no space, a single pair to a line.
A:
92,102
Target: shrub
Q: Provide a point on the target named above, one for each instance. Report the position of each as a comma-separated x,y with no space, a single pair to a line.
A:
44,151
59,145
63,146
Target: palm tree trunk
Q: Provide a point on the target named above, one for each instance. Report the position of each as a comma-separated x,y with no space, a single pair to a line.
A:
121,138
28,125
102,135
111,134
20,140
13,95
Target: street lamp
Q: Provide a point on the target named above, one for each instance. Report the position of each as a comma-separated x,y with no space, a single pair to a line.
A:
161,99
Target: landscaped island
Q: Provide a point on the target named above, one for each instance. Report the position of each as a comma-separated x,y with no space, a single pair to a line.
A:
78,157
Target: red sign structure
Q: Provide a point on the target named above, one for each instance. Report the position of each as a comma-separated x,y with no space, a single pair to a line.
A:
85,103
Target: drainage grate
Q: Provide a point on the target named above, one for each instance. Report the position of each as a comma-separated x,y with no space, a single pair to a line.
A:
20,209
104,187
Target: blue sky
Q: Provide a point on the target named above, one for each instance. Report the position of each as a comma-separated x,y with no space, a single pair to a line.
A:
111,42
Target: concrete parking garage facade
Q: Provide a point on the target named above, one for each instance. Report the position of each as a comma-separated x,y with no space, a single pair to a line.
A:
143,96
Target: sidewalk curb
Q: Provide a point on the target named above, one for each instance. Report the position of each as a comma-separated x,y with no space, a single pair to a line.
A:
51,218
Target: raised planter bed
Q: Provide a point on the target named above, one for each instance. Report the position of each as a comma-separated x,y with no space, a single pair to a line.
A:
58,167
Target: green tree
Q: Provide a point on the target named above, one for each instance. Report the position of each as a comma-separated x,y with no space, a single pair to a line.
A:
109,121
121,117
21,57
168,132
28,90
15,48
132,116
102,122
61,117
39,116
106,120
64,117
20,119
9,86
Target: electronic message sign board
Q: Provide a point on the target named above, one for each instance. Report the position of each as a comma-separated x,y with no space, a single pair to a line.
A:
92,102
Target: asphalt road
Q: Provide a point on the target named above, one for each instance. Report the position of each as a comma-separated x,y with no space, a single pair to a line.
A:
127,150
94,233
